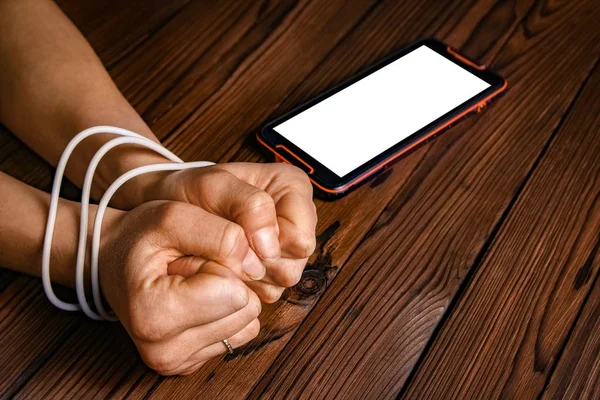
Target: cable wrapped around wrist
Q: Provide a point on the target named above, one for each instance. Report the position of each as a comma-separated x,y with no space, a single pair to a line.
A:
127,137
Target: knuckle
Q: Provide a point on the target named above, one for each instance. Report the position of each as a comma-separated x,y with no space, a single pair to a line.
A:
253,330
291,277
146,328
144,323
254,307
272,294
289,168
236,293
212,176
258,200
232,238
305,180
309,243
305,243
162,362
166,212
299,176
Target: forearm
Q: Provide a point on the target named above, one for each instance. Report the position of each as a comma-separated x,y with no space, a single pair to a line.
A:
52,85
23,214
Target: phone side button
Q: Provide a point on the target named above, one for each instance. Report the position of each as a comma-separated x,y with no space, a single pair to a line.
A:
480,106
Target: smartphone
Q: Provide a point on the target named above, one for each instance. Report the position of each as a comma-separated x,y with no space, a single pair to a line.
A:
349,133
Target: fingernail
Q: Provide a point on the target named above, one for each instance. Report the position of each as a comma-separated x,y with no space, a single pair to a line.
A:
252,266
266,243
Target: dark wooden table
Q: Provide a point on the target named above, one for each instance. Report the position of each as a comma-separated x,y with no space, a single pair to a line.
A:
468,269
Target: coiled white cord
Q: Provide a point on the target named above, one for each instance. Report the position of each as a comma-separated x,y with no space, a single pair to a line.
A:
128,137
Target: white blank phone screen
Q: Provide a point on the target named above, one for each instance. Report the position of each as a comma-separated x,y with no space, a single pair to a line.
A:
368,117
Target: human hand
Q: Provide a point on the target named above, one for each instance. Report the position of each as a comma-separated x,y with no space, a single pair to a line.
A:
271,202
172,273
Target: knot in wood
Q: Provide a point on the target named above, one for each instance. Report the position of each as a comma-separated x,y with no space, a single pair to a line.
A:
312,282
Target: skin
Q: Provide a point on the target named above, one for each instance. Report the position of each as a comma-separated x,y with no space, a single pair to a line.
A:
186,257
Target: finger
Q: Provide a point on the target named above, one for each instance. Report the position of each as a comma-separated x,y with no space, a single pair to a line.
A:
297,221
179,304
244,336
169,355
191,230
285,272
186,266
291,190
267,292
230,325
250,207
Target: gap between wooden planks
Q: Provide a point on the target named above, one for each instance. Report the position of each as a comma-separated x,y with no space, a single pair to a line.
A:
232,381
369,329
480,5
577,375
34,312
509,328
18,293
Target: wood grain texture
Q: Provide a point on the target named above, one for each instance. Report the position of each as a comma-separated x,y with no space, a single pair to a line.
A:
26,340
577,375
509,327
114,29
342,223
364,47
91,331
29,328
366,333
206,75
186,53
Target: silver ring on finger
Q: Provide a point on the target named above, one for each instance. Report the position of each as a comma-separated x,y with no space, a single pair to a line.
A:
228,345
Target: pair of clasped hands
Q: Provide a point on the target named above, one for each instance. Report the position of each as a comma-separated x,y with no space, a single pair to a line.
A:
187,271
188,266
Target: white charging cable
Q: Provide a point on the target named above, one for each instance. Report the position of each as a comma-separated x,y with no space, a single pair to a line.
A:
100,215
128,137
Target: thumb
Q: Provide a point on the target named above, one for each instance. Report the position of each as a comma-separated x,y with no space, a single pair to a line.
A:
197,236
250,207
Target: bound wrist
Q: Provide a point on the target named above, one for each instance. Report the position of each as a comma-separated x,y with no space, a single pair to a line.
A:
140,189
119,159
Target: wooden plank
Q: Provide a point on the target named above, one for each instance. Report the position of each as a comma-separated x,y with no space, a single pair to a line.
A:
369,329
114,28
577,375
72,364
255,89
27,342
239,91
343,223
349,231
511,323
90,329
189,46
